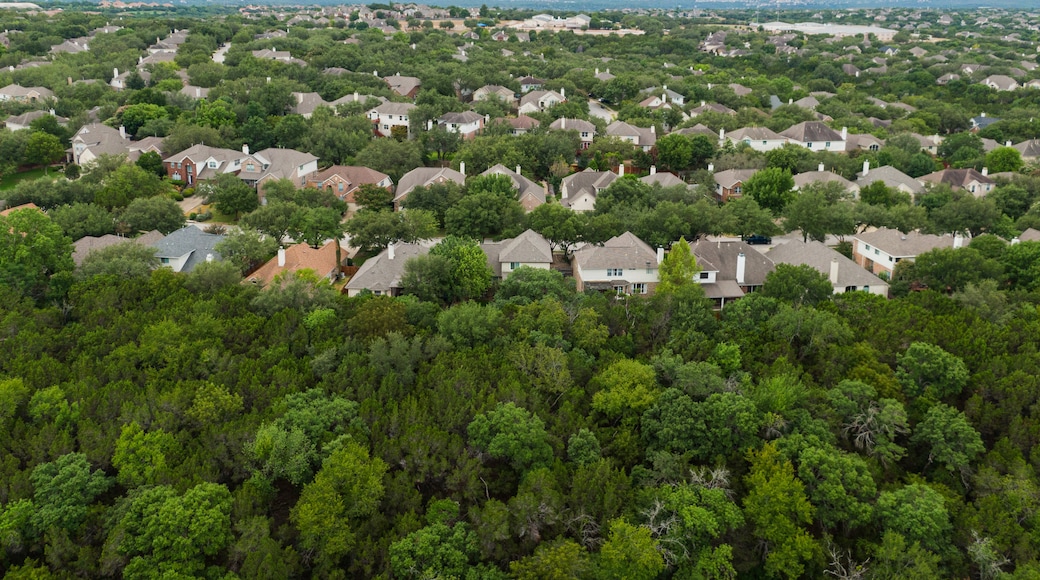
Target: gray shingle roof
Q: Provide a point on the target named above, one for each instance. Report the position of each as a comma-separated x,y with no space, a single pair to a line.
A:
622,251
722,257
819,257
188,240
382,274
811,132
900,245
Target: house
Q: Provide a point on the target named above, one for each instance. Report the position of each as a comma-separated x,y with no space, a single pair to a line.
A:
729,184
265,54
529,193
844,274
624,265
381,274
578,191
729,269
662,178
879,251
11,210
529,249
821,176
698,129
186,248
520,125
82,247
425,177
388,115
711,108
94,140
740,90
120,80
536,101
20,94
403,86
981,122
197,93
345,180
467,123
1029,235
604,76
489,92
929,144
891,177
758,138
641,137
529,83
321,261
1000,82
19,122
1029,149
978,184
947,79
816,136
306,103
666,95
863,142
201,162
586,130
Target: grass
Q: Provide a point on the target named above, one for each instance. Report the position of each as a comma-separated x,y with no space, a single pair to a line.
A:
10,181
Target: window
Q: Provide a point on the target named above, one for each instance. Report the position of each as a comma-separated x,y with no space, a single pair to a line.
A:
866,288
876,252
639,288
514,265
615,272
341,186
619,290
212,164
827,145
164,260
704,276
809,145
386,127
866,247
850,288
738,189
250,167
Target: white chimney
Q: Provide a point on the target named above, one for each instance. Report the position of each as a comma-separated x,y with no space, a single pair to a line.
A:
741,265
660,254
664,87
375,73
198,92
1015,241
518,170
844,133
122,132
653,129
563,92
245,149
866,167
711,167
390,251
140,59
790,101
563,123
834,272
299,98
1007,143
268,79
820,168
462,167
50,111
597,71
429,124
985,171
357,97
702,103
653,170
209,257
983,115
621,169
281,257
115,73
722,134
958,240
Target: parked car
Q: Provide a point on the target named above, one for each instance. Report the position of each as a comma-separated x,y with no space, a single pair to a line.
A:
758,239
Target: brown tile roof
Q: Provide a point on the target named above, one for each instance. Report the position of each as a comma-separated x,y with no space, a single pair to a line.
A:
321,261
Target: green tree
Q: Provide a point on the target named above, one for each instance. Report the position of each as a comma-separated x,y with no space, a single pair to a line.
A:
127,260
125,184
470,274
675,152
141,458
797,285
771,188
35,255
153,213
374,230
1004,159
444,548
232,196
42,149
63,491
83,219
561,560
150,161
950,439
745,217
372,197
918,513
392,157
512,433
626,387
926,370
247,249
677,269
629,553
559,225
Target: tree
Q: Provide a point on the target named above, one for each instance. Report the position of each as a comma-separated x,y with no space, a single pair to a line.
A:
677,269
559,225
470,274
232,196
247,249
134,117
1004,159
771,188
437,198
482,215
798,285
512,433
817,211
126,260
961,149
63,491
348,489
561,560
153,213
918,513
443,548
374,230
626,388
675,152
392,157
315,225
950,439
928,370
429,278
526,284
83,219
745,217
149,161
35,254
372,197
274,220
629,553
43,149
125,184
141,458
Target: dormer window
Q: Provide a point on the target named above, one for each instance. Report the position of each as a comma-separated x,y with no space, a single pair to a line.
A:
212,164
250,167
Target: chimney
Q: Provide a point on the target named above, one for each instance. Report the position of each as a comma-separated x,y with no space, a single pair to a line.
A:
608,70
1007,143
664,87
299,98
245,148
462,167
68,80
597,71
375,73
711,167
198,92
50,112
958,240
209,257
653,170
140,59
985,171
563,92
834,272
703,103
741,265
357,97
844,133
709,87
621,169
268,79
115,73
122,132
866,167
660,254
1015,241
790,101
429,124
563,123
722,134
390,251
518,170
983,115
281,257
820,168
653,129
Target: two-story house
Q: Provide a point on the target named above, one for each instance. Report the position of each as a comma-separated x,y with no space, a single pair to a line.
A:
467,123
529,249
624,265
890,176
970,180
489,92
578,191
816,136
729,269
529,193
729,184
388,115
403,85
425,177
879,251
536,101
844,274
346,180
757,138
642,137
586,130
381,274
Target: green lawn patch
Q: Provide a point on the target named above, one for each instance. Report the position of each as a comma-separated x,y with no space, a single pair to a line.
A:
9,181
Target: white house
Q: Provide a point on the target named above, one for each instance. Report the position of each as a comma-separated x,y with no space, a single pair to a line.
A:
388,115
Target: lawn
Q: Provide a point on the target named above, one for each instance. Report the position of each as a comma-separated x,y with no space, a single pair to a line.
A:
9,181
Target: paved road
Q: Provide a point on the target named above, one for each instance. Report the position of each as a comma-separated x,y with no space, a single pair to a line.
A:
597,109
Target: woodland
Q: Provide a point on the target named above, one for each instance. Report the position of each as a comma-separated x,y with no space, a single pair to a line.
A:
163,425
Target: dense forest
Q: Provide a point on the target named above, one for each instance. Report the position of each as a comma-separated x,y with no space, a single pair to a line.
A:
163,425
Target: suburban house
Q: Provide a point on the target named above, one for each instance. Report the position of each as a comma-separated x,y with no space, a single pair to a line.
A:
528,84
891,177
186,248
711,108
730,183
821,176
345,180
82,247
536,101
970,180
321,261
1000,82
816,136
271,54
879,251
529,193
381,274
578,191
662,179
1029,149
201,162
528,249
665,95
844,274
467,123
403,86
20,94
863,141
489,92
586,130
982,121
641,137
425,177
24,121
519,125
200,93
729,269
758,138
388,115
624,265
929,144
279,163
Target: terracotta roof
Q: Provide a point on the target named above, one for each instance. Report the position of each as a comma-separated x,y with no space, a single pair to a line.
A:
322,261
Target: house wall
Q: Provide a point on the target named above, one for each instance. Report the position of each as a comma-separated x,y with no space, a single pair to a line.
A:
187,172
507,269
872,259
880,289
583,202
176,264
763,145
630,275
